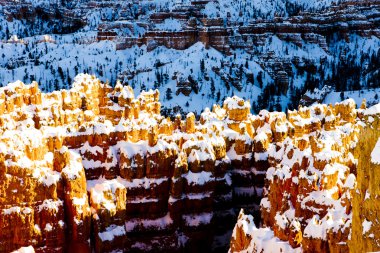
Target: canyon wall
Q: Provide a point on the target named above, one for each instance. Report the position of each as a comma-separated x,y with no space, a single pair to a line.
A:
307,27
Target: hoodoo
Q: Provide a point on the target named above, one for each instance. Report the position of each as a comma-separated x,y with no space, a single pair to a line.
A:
96,168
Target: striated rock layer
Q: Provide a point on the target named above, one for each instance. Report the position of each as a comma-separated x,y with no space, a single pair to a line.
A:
321,187
95,167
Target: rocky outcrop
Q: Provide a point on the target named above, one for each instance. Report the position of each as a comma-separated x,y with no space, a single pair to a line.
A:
63,19
317,197
314,28
40,184
94,166
365,203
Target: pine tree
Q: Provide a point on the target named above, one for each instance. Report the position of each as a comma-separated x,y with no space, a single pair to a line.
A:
202,65
260,79
169,94
212,88
218,96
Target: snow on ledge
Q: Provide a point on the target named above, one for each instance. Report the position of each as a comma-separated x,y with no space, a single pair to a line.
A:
373,110
236,102
28,249
375,155
112,232
263,239
366,226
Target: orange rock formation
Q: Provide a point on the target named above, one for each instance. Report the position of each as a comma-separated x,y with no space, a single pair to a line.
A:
96,167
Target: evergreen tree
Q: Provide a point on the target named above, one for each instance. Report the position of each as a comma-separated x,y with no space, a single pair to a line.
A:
202,65
260,79
169,94
212,88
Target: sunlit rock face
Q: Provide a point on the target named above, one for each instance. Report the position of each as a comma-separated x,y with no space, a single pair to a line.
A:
365,204
95,167
320,188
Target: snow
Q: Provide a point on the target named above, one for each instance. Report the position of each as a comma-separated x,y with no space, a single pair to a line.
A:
366,226
316,228
81,52
233,103
200,155
261,156
74,167
265,203
373,110
201,150
281,221
357,96
50,204
112,232
169,24
157,224
92,149
48,227
28,249
83,57
67,54
349,102
195,220
80,201
330,169
13,209
100,193
350,181
61,223
50,178
118,182
199,178
130,149
327,155
244,11
37,228
367,195
245,191
263,239
262,136
142,200
232,155
375,154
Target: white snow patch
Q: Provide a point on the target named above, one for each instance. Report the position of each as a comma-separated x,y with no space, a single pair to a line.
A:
375,155
366,226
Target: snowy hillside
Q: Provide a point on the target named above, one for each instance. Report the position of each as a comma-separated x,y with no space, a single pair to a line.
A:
245,11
